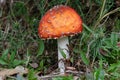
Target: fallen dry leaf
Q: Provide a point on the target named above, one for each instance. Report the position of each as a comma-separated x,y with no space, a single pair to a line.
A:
34,65
8,72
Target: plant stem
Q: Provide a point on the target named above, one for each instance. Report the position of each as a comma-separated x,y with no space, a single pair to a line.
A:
62,44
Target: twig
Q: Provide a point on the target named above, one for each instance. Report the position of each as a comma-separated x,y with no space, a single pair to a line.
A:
107,14
58,75
88,48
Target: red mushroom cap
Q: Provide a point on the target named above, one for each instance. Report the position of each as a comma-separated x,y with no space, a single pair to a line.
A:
60,21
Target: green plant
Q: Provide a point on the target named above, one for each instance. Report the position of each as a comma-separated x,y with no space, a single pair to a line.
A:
110,48
99,73
9,59
70,77
114,71
31,75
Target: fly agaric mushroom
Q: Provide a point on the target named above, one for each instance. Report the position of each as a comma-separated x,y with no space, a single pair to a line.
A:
58,23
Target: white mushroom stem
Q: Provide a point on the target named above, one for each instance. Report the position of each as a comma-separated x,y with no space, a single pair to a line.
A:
62,44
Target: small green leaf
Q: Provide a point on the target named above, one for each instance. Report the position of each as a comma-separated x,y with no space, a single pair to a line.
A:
41,64
84,58
17,62
4,54
62,52
31,75
99,74
114,39
41,48
3,62
71,60
12,56
87,28
113,67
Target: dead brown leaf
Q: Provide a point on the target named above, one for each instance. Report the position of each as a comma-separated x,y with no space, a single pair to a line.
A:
9,72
